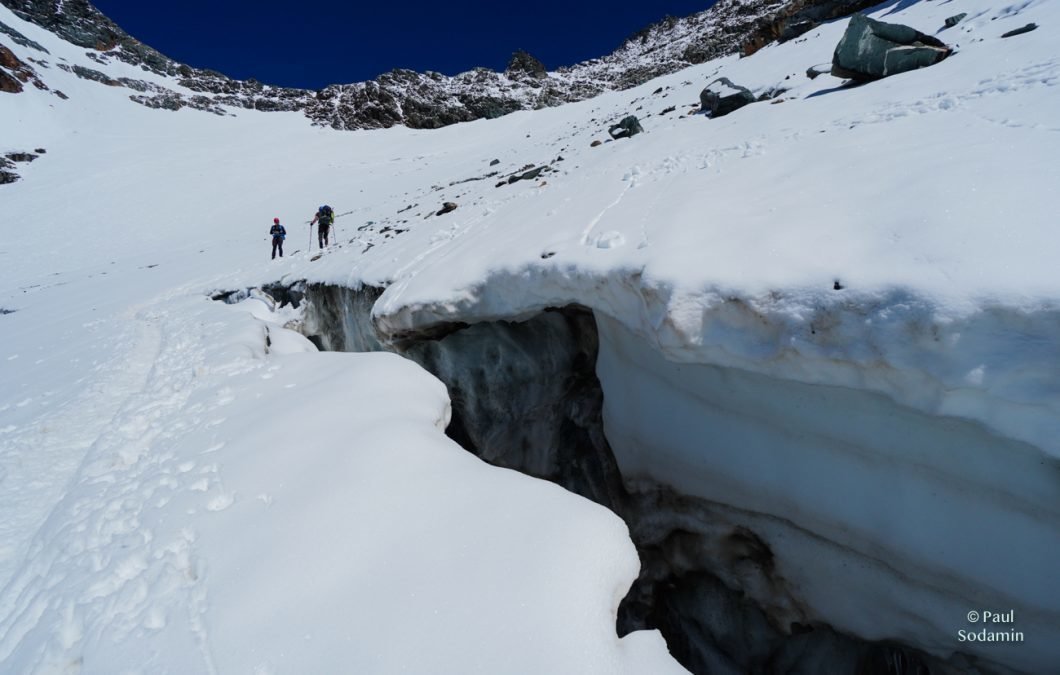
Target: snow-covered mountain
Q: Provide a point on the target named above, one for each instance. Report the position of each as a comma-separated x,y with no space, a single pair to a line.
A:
428,100
805,354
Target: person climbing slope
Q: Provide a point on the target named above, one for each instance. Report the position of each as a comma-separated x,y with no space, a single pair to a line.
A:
326,217
278,235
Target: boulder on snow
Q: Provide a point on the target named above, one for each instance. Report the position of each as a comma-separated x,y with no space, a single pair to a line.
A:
21,156
870,50
446,208
955,19
596,143
527,175
721,97
627,127
813,71
1020,31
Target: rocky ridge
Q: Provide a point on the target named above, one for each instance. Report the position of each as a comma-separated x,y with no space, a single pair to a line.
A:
431,99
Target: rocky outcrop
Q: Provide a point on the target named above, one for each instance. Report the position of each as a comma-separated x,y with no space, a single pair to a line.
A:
525,64
721,97
431,100
871,49
14,73
7,172
798,17
418,100
7,164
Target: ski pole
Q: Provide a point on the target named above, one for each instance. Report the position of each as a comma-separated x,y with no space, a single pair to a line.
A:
310,249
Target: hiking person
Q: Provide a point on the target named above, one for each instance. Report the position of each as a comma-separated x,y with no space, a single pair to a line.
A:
278,235
326,217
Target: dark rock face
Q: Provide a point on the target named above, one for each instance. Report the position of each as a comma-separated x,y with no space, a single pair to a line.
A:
90,74
14,73
870,50
9,84
721,97
523,63
798,17
81,24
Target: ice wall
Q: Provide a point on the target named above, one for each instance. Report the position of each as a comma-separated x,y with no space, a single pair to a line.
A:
717,575
882,520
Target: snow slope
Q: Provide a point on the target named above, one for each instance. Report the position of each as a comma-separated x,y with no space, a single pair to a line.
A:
929,385
192,488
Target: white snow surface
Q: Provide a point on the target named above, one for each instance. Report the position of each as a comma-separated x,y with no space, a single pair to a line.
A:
173,495
189,487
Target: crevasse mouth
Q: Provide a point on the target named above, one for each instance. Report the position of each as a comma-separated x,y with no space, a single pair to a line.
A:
716,575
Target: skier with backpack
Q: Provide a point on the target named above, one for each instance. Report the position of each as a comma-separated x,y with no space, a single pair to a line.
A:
326,217
278,235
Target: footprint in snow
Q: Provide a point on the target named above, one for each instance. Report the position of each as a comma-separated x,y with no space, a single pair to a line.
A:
220,502
610,239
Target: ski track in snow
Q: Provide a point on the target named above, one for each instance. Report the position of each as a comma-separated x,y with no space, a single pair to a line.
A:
42,458
97,543
630,180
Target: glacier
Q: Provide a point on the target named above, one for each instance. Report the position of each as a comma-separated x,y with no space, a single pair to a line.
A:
808,352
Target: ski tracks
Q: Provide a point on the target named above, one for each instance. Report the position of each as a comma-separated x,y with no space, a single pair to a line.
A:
105,561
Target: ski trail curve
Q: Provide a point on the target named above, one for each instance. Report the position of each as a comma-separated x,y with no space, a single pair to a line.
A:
630,180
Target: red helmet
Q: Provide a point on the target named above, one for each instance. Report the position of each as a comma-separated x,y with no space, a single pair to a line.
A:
276,220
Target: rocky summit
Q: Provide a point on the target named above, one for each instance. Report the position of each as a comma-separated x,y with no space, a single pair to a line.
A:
427,100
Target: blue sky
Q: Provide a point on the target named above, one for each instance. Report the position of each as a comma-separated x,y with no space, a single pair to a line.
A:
314,43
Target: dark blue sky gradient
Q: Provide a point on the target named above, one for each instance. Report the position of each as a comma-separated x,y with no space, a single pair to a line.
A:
314,43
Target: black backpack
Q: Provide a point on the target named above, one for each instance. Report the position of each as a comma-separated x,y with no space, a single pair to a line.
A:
325,215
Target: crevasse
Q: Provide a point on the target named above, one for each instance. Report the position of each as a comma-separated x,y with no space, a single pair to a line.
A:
782,524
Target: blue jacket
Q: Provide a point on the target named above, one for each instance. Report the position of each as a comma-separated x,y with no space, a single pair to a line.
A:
278,231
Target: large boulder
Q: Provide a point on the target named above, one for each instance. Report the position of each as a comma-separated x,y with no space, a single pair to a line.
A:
955,19
871,49
626,128
1020,31
721,97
